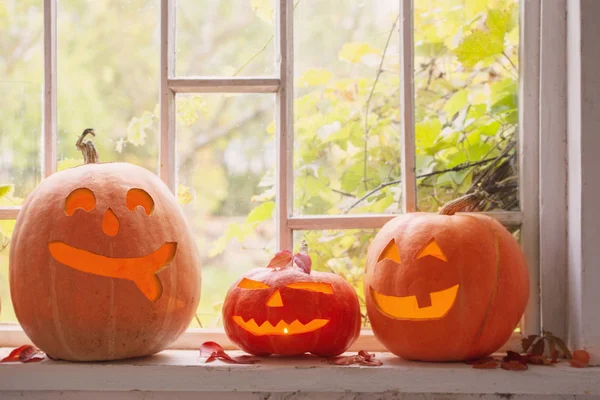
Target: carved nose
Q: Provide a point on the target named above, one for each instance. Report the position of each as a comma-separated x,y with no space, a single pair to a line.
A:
275,300
110,223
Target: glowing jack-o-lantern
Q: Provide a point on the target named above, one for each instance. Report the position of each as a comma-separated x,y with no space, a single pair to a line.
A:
102,264
287,309
445,287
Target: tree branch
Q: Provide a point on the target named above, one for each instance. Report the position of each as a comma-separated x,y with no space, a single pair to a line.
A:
459,167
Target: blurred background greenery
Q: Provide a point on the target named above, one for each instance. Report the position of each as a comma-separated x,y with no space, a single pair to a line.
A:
347,146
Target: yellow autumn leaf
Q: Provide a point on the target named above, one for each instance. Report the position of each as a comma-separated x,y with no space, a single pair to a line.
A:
355,51
6,189
263,9
184,195
7,227
315,77
271,128
136,131
474,7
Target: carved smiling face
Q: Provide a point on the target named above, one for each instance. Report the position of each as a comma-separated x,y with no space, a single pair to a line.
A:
443,288
276,327
287,311
141,269
426,301
103,265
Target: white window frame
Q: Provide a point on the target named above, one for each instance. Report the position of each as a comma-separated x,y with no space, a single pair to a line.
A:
539,110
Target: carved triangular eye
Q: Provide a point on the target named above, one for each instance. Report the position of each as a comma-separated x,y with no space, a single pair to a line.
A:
320,287
390,252
246,283
432,249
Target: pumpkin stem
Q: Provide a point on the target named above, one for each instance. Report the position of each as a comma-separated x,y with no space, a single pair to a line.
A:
304,247
90,154
462,203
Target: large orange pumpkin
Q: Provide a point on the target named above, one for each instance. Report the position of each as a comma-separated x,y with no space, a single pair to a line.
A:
286,309
445,287
102,263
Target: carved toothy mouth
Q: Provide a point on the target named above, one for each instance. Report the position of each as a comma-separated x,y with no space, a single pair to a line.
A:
407,308
282,327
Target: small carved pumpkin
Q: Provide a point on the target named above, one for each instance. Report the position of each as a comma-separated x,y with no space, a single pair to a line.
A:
287,309
102,263
445,287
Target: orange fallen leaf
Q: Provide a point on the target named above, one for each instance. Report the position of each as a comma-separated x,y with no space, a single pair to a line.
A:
285,258
213,351
303,261
342,360
490,364
362,358
514,356
514,366
580,359
26,353
208,348
479,361
368,359
555,355
281,259
538,360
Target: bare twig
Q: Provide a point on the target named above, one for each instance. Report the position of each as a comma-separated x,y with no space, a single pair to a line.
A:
244,65
510,61
368,103
198,320
343,193
512,73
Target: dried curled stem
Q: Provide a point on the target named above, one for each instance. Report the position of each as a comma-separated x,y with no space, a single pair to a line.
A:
304,246
90,154
463,203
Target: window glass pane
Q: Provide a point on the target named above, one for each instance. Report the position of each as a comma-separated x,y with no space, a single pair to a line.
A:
342,252
225,38
21,85
7,313
346,107
466,86
108,78
225,161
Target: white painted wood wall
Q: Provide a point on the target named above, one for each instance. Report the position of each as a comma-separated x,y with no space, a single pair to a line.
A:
139,395
583,65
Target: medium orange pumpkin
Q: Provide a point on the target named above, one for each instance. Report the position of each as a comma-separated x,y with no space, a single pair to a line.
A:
102,263
286,309
445,287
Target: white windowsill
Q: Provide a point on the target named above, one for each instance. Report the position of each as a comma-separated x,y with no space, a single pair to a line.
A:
185,371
